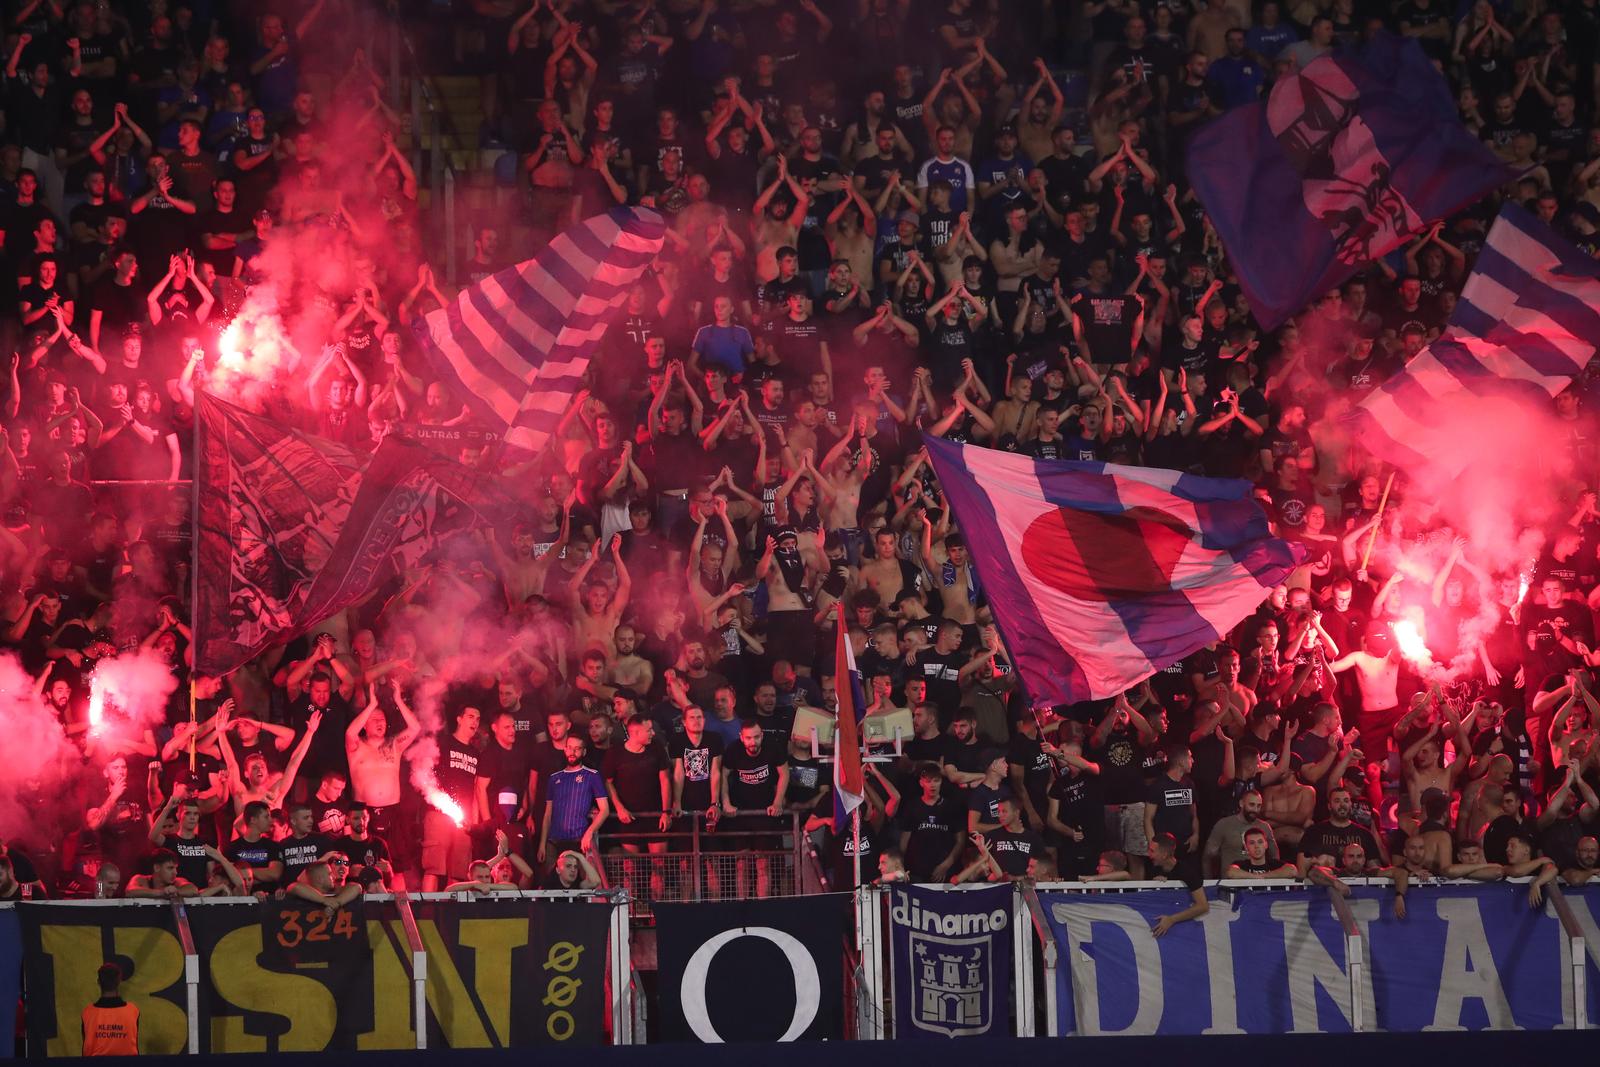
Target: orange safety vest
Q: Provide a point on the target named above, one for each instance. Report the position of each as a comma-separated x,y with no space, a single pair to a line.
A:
111,1030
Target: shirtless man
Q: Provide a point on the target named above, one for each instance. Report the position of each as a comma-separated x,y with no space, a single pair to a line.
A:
1422,764
1015,414
1239,697
840,478
1587,862
775,226
374,757
522,573
788,567
596,610
254,783
886,573
1377,676
1289,806
629,670
1416,861
953,575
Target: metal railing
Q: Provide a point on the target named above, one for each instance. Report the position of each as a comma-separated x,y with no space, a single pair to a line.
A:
1577,947
701,862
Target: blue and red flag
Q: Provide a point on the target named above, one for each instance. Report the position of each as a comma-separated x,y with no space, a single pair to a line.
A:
1339,165
849,784
515,347
1101,575
1527,323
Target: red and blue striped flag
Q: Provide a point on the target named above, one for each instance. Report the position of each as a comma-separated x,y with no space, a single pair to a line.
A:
1101,575
849,784
516,346
1527,322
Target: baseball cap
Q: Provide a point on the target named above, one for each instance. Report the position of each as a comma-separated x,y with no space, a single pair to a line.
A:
908,216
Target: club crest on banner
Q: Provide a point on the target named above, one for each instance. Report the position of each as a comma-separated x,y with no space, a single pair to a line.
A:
951,961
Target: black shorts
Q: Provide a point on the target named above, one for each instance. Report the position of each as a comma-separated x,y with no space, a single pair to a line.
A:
792,635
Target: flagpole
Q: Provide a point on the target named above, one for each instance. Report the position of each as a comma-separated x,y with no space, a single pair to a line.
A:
194,563
855,819
1377,520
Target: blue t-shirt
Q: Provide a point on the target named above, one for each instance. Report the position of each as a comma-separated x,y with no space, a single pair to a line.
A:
956,172
1269,42
573,792
728,347
1239,79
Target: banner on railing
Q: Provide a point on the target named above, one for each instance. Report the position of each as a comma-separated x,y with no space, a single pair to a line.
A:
753,970
1464,957
282,976
518,972
10,980
63,947
951,960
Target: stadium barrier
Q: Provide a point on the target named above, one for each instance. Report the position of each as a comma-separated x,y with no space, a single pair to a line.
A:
889,962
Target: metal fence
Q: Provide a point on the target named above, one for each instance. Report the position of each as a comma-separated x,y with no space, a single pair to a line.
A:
693,861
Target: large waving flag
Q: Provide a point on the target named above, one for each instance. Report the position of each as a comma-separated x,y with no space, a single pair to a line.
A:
1101,575
1528,320
516,345
849,782
1340,164
294,528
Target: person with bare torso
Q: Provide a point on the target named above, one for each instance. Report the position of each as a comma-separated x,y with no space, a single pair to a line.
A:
953,576
374,756
789,567
886,573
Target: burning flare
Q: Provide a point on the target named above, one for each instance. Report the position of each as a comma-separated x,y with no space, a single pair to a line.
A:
445,804
1409,640
97,706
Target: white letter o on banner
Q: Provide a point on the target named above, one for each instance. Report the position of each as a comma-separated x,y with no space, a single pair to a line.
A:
807,983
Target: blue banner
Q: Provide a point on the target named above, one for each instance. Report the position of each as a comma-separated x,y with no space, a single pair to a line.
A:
10,980
1463,958
951,959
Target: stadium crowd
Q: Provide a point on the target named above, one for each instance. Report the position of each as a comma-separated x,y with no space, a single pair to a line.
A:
886,220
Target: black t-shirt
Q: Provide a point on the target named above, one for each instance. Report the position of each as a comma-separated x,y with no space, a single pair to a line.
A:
300,853
457,771
966,758
1326,839
1186,870
932,831
942,672
1108,321
752,780
698,760
363,854
1078,801
986,801
1012,850
507,772
331,817
1120,759
636,776
193,863
1174,806
1027,753
258,854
